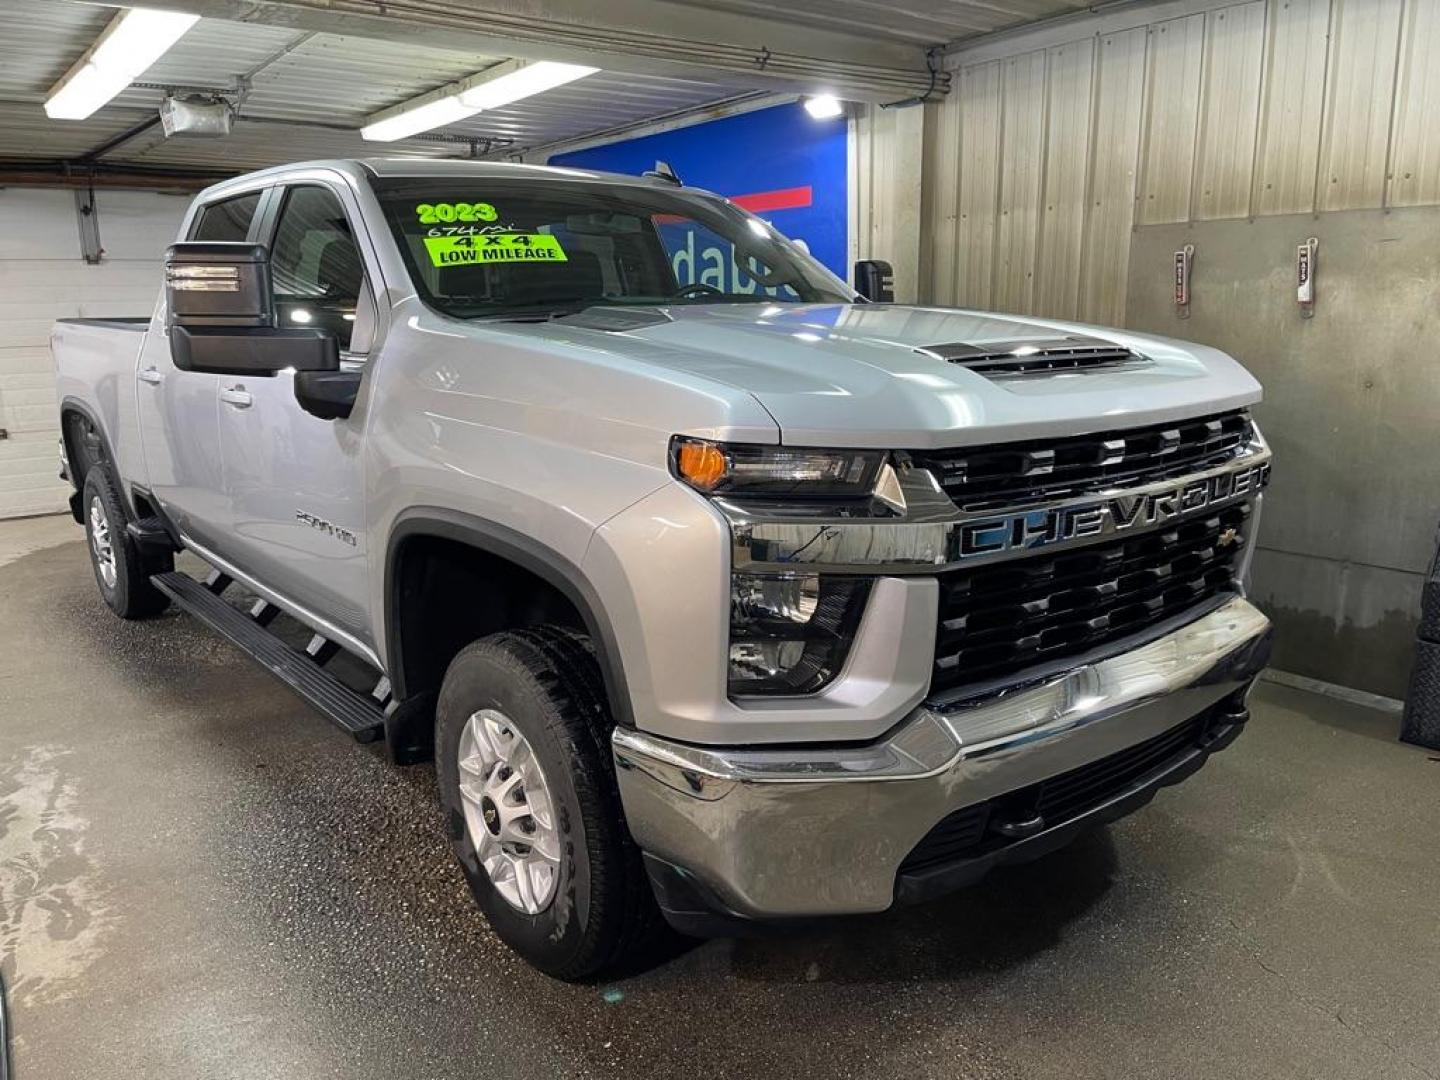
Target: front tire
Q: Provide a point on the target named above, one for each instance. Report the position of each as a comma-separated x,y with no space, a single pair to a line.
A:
522,751
120,570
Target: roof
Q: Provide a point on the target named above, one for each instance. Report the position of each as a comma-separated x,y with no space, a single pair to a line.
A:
361,169
398,166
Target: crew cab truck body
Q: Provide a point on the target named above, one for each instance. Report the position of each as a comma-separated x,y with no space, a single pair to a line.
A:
714,589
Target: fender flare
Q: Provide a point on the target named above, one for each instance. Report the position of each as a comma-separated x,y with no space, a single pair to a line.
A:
544,562
70,404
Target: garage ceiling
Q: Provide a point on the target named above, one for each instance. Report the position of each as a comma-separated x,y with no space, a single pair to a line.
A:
924,22
305,73
309,92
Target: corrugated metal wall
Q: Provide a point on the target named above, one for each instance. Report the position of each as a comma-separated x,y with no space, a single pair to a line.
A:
885,166
1039,163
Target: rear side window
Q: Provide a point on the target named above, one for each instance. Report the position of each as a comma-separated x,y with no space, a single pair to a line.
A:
227,220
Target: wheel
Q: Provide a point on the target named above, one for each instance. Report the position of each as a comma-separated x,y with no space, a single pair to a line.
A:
121,572
522,750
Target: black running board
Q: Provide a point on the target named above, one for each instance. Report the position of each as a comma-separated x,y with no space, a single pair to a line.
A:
352,712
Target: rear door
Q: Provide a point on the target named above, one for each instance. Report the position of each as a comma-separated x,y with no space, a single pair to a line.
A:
294,483
177,409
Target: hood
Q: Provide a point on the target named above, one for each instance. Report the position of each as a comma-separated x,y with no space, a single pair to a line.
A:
913,377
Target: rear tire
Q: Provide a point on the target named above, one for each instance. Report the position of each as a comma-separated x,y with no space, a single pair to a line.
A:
120,570
591,906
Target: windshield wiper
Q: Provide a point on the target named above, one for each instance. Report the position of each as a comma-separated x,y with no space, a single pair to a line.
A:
729,298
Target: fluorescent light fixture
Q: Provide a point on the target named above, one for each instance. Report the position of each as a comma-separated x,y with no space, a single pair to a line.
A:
134,40
489,89
432,114
823,106
526,82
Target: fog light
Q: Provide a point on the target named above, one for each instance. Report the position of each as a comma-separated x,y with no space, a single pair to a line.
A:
774,598
790,633
760,660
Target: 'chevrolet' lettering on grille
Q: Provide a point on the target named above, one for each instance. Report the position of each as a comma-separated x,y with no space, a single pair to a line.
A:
1026,529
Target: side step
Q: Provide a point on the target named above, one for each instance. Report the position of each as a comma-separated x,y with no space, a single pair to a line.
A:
361,716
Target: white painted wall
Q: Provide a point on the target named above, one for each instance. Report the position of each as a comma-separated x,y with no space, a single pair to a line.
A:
43,278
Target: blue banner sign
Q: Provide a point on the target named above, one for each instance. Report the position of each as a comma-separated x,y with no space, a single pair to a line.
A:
778,163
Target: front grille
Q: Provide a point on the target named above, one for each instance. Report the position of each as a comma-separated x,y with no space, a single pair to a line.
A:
1017,474
1005,617
967,833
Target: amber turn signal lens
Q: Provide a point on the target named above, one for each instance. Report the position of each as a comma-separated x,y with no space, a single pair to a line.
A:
701,464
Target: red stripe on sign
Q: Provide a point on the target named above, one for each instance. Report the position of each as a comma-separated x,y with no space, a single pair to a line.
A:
781,199
792,198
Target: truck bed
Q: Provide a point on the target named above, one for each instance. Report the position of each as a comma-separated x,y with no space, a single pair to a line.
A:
95,364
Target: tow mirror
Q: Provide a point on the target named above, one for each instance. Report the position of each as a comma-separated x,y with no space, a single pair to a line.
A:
874,280
220,312
218,284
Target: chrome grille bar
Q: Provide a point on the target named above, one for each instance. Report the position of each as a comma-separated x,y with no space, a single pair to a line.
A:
988,476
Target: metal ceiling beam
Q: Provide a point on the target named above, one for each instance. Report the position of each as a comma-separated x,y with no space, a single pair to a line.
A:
654,37
69,174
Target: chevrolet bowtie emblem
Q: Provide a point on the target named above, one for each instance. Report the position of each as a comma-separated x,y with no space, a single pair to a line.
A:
1228,537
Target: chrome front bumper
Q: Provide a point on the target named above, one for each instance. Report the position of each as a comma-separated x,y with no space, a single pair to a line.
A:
777,833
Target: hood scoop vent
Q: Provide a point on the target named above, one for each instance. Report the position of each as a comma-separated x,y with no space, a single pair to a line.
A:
615,319
1046,356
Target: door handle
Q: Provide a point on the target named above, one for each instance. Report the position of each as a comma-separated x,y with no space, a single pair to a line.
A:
237,396
150,375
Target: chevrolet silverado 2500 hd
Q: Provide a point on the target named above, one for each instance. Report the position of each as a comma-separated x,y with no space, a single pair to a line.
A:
715,590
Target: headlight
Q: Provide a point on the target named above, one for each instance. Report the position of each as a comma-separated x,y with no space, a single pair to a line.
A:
790,633
742,469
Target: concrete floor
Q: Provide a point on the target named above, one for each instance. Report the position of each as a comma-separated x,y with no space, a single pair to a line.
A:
199,877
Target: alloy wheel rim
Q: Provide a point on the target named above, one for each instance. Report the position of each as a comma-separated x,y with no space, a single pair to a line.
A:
508,811
101,544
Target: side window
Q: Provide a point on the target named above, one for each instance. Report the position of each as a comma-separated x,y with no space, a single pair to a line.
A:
226,220
318,275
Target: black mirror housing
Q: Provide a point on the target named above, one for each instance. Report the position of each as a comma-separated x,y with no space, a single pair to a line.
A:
330,395
874,280
258,350
218,284
220,311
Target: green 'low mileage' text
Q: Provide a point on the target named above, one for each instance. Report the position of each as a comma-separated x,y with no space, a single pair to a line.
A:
497,248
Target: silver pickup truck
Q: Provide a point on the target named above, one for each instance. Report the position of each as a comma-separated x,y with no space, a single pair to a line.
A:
716,590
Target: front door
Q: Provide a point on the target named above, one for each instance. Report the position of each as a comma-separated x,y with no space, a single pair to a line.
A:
177,409
295,482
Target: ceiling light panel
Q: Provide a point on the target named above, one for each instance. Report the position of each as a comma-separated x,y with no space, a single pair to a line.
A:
133,41
490,89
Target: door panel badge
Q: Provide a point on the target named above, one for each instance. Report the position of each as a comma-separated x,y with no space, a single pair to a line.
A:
345,536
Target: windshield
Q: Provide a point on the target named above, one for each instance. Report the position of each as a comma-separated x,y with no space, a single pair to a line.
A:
497,248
